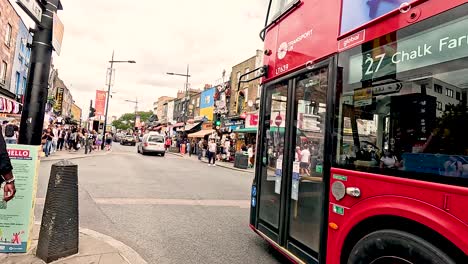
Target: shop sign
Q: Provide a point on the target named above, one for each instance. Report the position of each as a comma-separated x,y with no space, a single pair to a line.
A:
206,126
251,120
230,123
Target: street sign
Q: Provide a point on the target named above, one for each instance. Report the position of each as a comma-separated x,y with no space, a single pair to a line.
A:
57,34
278,120
32,8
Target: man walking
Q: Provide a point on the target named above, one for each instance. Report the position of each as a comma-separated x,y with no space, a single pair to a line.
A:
11,133
200,149
61,139
212,152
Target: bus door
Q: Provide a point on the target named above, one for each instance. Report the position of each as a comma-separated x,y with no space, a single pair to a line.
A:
291,164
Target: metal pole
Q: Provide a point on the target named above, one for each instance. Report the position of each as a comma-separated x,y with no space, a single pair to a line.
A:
32,118
187,97
107,101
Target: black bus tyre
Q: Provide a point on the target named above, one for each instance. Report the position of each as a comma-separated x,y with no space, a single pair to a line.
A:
394,246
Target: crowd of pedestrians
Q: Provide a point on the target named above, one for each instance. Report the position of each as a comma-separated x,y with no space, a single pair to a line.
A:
73,139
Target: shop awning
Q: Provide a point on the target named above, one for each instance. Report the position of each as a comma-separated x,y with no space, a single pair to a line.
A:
201,133
178,124
189,127
246,130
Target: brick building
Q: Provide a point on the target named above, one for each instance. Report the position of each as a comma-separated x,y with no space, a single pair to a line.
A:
245,99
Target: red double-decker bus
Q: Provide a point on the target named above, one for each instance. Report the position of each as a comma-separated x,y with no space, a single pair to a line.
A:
362,150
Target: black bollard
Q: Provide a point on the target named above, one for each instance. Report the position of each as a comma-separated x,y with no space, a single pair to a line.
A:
59,233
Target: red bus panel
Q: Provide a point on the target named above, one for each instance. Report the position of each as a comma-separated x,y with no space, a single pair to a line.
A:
302,36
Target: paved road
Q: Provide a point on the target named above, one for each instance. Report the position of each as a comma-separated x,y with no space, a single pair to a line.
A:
169,209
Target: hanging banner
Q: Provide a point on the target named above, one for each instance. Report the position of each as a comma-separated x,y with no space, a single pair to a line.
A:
100,102
59,101
17,216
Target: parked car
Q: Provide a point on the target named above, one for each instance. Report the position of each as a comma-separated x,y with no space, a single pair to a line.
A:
128,140
117,137
152,143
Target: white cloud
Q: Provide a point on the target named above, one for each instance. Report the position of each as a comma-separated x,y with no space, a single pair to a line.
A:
161,36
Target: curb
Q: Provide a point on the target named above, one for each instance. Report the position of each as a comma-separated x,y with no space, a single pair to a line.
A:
128,253
72,158
217,164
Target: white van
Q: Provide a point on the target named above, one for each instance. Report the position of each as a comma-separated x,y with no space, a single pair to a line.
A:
152,142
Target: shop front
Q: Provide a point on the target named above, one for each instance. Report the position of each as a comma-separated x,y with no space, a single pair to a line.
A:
247,135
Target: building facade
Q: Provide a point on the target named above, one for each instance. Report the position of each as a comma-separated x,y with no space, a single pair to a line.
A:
9,27
20,66
76,113
246,98
158,106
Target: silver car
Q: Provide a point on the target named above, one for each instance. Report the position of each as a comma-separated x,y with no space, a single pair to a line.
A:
152,142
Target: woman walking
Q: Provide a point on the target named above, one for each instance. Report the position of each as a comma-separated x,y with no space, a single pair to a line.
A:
108,141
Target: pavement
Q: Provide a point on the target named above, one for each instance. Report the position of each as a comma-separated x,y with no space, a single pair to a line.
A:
71,155
222,164
168,209
94,248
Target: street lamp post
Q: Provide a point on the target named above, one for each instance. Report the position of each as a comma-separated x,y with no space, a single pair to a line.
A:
136,108
187,95
112,61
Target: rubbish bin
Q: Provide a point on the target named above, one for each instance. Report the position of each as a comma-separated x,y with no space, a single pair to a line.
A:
241,160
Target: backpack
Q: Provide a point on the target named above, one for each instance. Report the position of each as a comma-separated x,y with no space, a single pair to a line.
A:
9,131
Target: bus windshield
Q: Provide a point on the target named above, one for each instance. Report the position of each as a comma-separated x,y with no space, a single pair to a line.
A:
403,108
278,7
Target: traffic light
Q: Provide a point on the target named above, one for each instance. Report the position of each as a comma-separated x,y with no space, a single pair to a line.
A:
218,123
92,112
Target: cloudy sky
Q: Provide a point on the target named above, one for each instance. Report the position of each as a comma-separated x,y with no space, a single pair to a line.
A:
161,36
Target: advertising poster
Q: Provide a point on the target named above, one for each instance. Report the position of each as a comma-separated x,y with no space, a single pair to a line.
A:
359,12
278,173
100,102
17,216
295,181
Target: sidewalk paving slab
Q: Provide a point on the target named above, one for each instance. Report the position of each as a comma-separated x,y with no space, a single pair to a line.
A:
94,248
65,154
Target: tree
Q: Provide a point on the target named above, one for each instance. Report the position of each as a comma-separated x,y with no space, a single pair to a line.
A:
126,121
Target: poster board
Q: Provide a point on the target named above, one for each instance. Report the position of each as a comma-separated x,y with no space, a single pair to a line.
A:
17,216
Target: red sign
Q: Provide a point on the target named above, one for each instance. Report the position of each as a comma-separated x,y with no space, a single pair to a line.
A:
100,102
352,40
278,120
253,120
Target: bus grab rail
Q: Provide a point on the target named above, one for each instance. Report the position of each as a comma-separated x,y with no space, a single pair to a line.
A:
263,73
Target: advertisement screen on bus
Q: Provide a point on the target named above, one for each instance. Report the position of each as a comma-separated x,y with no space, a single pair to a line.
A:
359,12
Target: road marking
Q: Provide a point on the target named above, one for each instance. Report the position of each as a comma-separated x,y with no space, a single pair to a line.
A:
152,201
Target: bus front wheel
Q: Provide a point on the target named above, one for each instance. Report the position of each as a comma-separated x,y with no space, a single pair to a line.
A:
394,246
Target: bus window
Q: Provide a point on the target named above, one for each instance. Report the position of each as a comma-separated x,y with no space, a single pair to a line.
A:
398,112
306,206
273,153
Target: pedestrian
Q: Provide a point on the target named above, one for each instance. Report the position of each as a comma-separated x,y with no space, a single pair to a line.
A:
6,172
212,152
200,149
168,143
61,139
73,140
250,152
108,141
189,148
47,138
89,142
55,131
11,133
305,159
